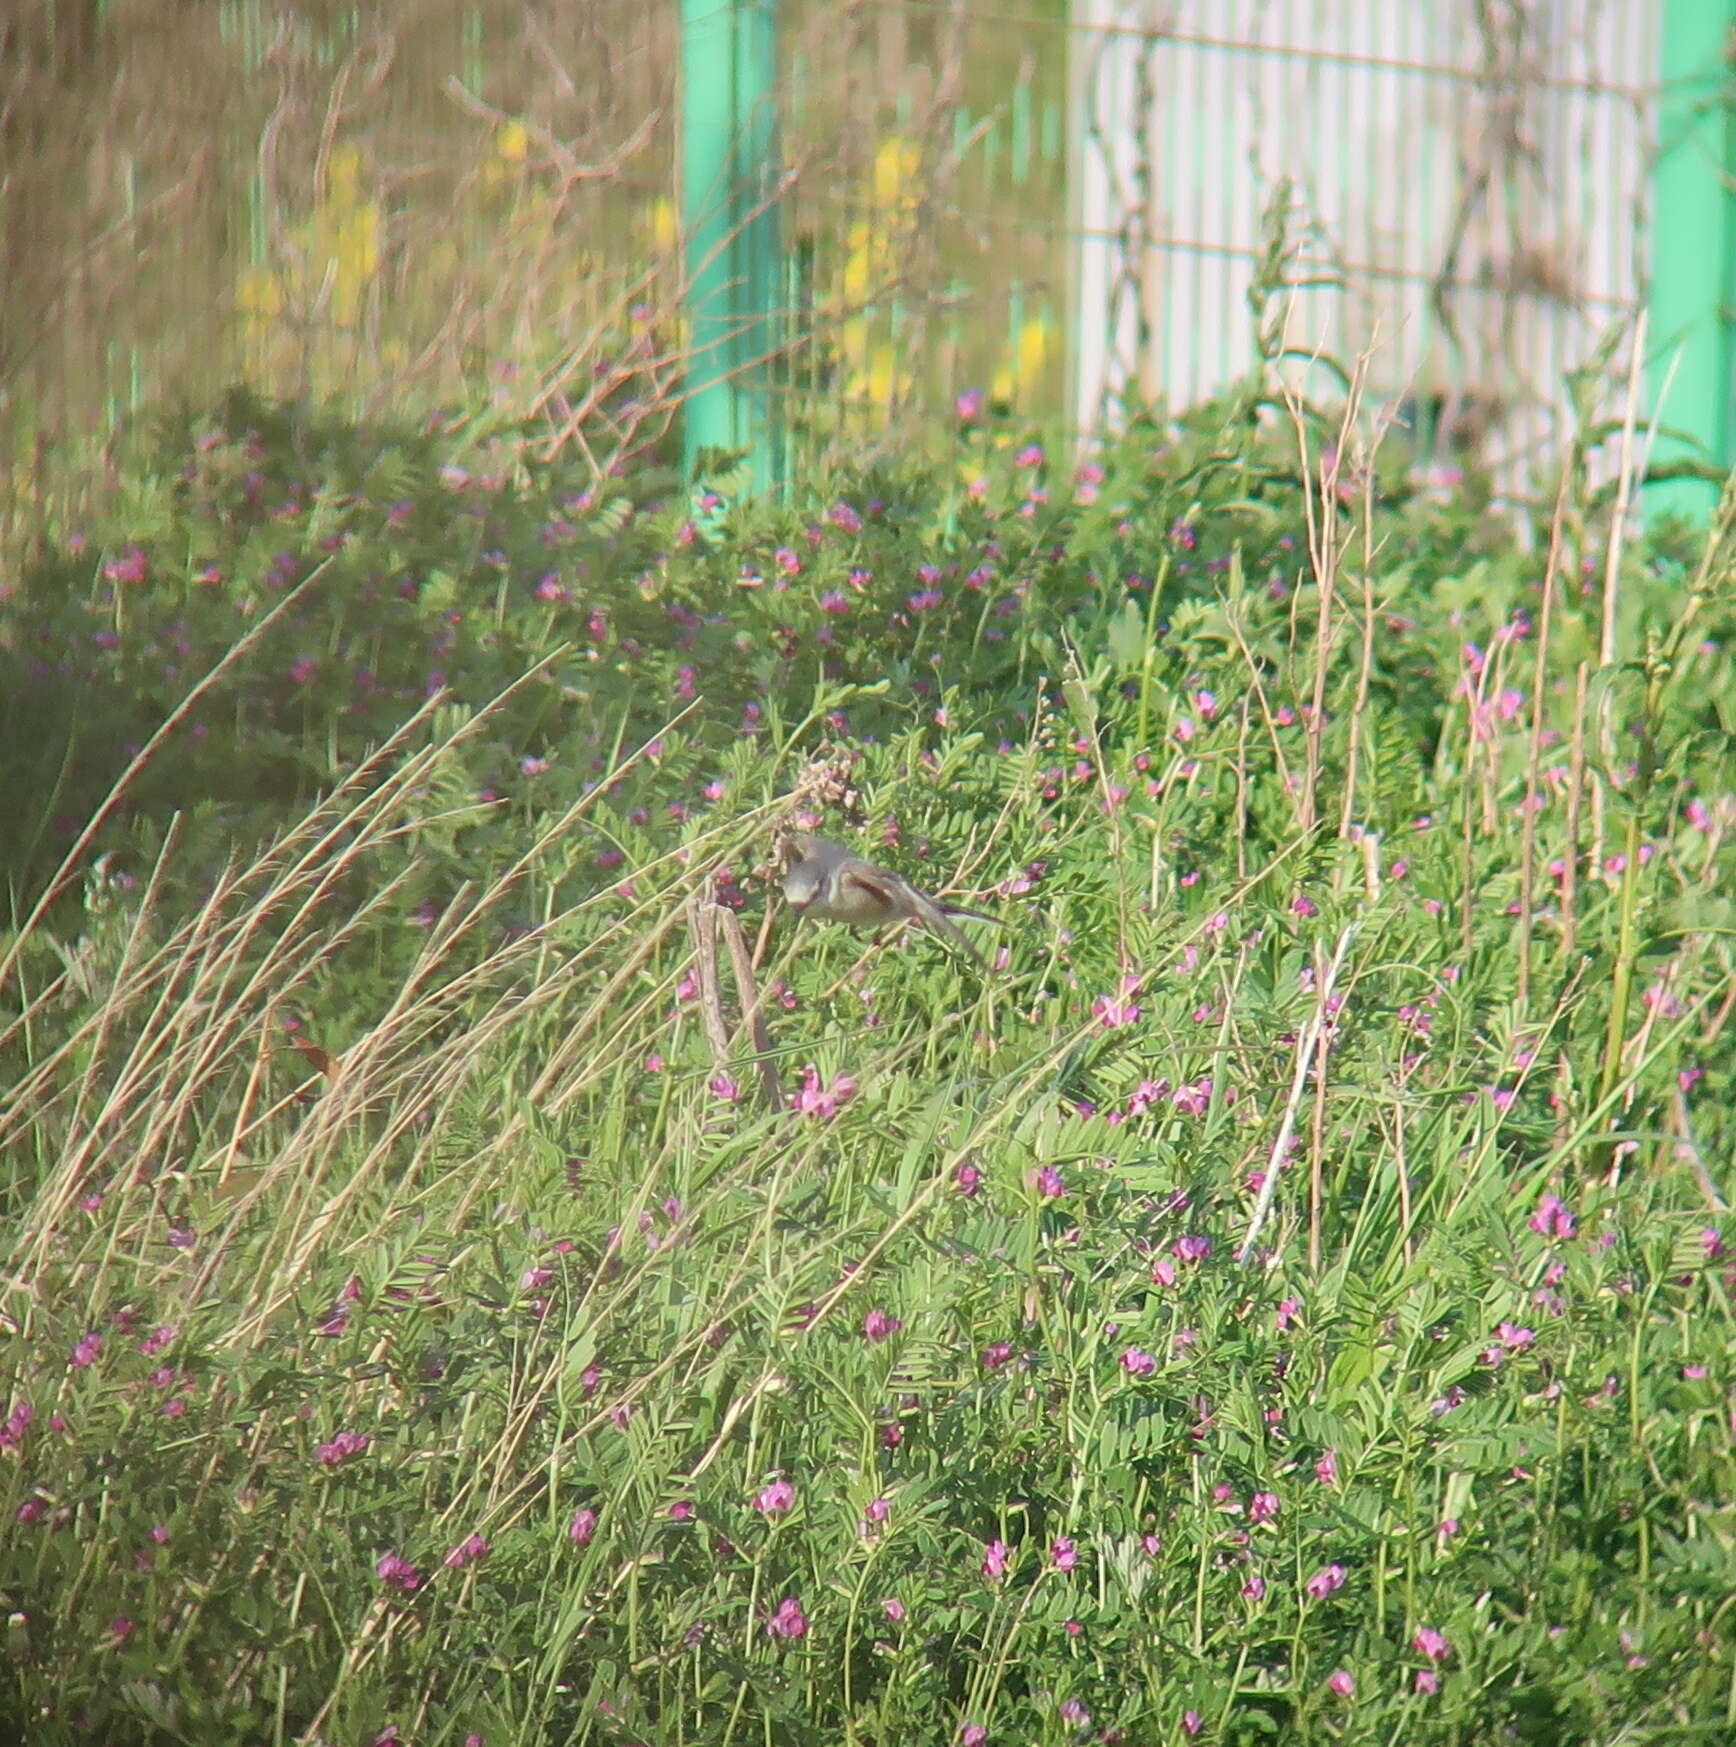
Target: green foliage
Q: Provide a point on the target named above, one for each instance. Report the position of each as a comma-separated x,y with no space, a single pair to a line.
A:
415,1323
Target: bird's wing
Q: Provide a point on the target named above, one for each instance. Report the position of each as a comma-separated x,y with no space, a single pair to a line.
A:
886,891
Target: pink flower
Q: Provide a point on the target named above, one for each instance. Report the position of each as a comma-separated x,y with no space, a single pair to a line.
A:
877,1325
996,1355
1191,1249
1255,1588
1322,1583
1341,1683
995,1560
1552,1218
1192,1722
341,1448
722,1086
85,1353
18,1422
472,1547
1432,1644
1326,1469
1064,1554
1111,1011
1049,1183
814,1099
398,1573
1262,1507
967,1179
972,1734
1288,1311
879,1509
893,1609
1137,1363
130,566
1427,1682
788,1621
583,1526
775,1499
681,1511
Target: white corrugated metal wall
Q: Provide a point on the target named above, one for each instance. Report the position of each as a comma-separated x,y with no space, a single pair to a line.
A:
1472,174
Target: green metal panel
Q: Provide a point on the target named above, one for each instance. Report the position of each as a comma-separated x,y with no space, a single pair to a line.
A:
1693,248
728,169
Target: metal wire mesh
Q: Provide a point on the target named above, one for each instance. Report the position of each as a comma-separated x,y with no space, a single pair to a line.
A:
1025,202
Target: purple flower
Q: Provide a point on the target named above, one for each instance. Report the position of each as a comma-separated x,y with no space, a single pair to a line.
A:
1326,1469
1049,1183
1432,1644
814,1099
583,1526
1341,1683
1322,1583
398,1573
130,566
893,1609
1427,1682
1111,1011
788,1620
1552,1218
877,1325
1262,1507
341,1448
85,1353
775,1499
967,1179
1064,1554
1192,1722
972,1734
18,1422
995,1555
1137,1363
1191,1249
472,1547
996,1355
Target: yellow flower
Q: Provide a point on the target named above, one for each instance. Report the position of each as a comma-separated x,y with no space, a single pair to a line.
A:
665,232
894,164
512,142
1033,349
259,294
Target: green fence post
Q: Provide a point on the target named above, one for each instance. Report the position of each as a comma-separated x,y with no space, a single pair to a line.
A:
1693,251
730,221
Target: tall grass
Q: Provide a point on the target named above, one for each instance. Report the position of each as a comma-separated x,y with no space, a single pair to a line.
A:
1262,1307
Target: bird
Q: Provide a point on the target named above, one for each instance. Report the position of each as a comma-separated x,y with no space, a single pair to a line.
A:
831,882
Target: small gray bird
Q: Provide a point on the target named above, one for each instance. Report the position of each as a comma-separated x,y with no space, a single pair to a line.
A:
831,883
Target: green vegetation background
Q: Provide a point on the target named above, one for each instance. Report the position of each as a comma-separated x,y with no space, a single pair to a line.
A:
417,1329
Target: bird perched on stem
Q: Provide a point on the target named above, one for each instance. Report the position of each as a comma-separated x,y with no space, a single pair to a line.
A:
829,882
